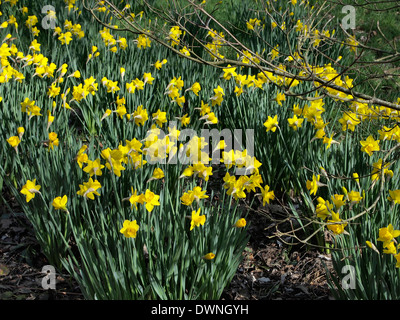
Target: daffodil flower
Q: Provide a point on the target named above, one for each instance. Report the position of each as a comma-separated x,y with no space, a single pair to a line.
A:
135,198
140,116
354,196
30,189
21,131
35,46
14,141
53,140
397,256
114,160
148,78
272,123
394,195
370,145
195,88
60,203
229,72
241,223
324,208
313,185
267,195
151,200
122,72
387,235
89,189
295,122
253,23
377,169
158,65
129,229
185,120
280,97
336,228
390,248
160,117
338,200
187,199
158,174
94,167
209,256
197,219
143,42
210,117
106,114
65,38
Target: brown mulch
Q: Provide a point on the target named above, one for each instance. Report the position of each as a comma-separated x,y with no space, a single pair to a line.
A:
270,269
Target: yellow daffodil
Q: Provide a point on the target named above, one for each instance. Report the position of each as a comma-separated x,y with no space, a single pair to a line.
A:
241,223
35,46
295,122
209,256
187,199
89,189
106,114
271,123
313,185
14,141
338,200
197,219
349,121
390,248
354,196
267,195
65,38
252,23
151,200
229,72
148,78
324,208
336,228
387,235
135,198
143,42
158,174
377,170
397,256
394,195
30,189
93,167
53,140
60,203
21,131
158,65
114,160
195,88
129,229
185,120
199,194
280,97
370,145
185,51
140,115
